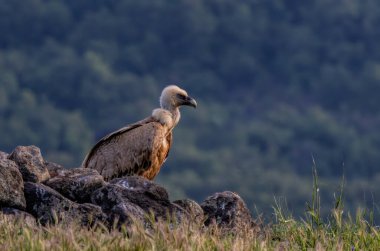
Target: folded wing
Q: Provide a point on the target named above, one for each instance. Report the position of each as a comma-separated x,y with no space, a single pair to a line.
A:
137,149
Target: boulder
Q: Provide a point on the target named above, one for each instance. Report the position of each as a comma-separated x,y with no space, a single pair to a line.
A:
49,206
228,212
30,163
150,197
11,185
77,184
15,215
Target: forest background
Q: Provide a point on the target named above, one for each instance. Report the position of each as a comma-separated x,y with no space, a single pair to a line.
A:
279,84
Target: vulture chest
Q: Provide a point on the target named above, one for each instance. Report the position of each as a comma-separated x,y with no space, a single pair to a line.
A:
158,157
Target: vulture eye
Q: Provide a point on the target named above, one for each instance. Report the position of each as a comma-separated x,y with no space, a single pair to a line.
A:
180,96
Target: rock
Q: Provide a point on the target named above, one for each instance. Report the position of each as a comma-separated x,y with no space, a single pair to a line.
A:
49,206
30,163
192,208
11,185
113,200
145,194
15,215
77,184
3,155
54,169
229,212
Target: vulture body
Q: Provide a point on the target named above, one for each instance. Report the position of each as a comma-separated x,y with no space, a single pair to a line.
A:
140,148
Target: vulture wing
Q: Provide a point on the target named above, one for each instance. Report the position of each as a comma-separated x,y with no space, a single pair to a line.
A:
137,149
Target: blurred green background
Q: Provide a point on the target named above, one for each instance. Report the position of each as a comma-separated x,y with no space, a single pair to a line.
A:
278,83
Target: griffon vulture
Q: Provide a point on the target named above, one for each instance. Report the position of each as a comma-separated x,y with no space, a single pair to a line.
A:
140,148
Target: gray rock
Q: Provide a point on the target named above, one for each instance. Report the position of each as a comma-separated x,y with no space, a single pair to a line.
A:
18,216
150,197
77,184
30,163
49,206
228,212
11,185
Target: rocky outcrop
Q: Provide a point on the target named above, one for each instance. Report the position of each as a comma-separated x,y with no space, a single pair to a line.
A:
49,193
228,212
11,185
30,163
48,206
76,184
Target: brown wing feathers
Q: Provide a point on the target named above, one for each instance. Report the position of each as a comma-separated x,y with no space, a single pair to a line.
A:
112,135
132,150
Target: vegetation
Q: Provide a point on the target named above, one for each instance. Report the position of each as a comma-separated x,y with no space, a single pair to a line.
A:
338,233
278,83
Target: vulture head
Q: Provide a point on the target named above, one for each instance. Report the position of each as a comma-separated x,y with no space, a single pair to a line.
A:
173,97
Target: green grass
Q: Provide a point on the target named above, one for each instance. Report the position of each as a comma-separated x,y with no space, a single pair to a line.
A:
339,231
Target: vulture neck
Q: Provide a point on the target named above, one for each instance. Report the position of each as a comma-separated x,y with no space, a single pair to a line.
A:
174,111
176,116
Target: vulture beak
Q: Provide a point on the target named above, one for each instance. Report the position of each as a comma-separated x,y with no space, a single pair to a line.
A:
186,100
190,102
